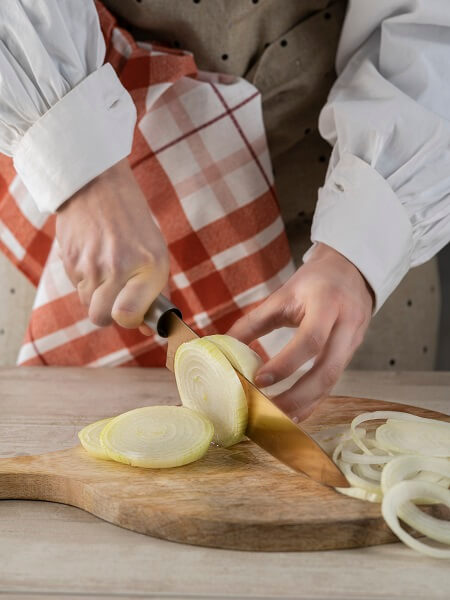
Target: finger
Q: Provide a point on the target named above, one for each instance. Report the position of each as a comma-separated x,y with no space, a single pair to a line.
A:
300,400
86,289
309,341
135,298
146,330
261,320
102,301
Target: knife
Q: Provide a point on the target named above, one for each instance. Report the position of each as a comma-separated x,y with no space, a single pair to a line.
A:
268,426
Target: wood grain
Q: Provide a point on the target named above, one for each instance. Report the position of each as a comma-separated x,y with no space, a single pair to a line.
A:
51,550
236,498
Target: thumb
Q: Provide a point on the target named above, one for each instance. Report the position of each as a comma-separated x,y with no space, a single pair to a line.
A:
136,296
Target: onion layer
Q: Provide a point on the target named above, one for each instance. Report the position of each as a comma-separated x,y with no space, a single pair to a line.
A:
208,383
243,358
402,493
426,438
89,438
157,437
403,463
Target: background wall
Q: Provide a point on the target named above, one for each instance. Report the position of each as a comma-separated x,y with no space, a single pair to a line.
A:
16,299
443,359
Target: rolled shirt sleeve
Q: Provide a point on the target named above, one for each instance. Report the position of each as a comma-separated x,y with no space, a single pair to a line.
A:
64,116
385,204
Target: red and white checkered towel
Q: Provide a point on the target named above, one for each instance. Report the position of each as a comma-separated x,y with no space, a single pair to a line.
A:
200,156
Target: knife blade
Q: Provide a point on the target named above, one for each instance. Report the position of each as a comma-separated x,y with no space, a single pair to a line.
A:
268,426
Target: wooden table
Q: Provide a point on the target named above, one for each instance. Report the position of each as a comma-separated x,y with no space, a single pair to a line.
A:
51,550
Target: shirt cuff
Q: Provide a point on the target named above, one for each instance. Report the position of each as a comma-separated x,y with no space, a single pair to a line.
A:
360,216
86,132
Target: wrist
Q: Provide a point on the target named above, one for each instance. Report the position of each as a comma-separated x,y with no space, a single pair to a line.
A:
109,177
323,252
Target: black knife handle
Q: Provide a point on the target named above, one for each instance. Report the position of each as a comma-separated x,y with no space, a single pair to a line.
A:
156,315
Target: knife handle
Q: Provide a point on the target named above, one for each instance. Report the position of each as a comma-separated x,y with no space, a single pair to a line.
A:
156,315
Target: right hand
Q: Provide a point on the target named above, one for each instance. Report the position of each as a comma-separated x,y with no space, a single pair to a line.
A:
113,251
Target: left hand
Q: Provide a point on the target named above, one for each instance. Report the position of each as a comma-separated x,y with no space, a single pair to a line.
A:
330,304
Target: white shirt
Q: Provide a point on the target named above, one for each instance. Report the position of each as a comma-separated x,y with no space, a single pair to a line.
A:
385,204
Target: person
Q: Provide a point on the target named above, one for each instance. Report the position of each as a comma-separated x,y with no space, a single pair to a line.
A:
384,206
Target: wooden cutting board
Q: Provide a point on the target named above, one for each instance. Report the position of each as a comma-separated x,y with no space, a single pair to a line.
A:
237,498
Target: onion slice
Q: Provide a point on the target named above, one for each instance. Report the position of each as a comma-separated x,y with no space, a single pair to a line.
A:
407,467
89,438
394,502
427,438
208,383
360,494
387,414
402,463
243,358
157,437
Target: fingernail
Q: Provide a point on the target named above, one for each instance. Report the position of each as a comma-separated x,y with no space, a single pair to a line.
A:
264,379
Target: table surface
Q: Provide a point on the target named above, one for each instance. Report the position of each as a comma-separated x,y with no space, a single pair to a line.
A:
52,550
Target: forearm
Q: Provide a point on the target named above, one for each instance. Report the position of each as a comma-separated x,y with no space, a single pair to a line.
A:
386,201
64,117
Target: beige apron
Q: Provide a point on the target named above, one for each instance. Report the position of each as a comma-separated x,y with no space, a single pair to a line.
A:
287,49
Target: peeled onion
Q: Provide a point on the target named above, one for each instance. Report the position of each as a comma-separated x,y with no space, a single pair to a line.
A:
208,383
157,437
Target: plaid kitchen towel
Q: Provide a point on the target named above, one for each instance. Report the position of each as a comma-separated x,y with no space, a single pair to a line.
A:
200,156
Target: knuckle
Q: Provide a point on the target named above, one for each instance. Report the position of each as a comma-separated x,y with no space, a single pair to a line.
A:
99,317
145,258
71,254
85,299
117,264
292,311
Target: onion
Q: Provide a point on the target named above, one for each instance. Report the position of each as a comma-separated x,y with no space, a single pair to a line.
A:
360,494
369,471
90,439
208,383
157,437
405,467
424,437
403,463
396,503
243,358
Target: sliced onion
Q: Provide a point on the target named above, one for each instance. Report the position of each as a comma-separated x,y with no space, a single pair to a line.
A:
360,494
376,458
398,498
384,414
208,383
426,437
377,463
157,437
243,358
90,439
367,485
368,471
407,467
436,529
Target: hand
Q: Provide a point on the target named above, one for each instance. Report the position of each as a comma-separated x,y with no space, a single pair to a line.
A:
113,252
330,303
